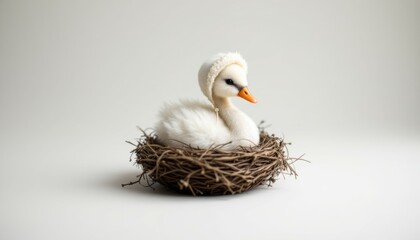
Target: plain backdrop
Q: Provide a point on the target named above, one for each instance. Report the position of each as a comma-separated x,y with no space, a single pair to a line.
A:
338,79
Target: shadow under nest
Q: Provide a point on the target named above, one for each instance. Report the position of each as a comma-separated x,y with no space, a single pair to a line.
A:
212,171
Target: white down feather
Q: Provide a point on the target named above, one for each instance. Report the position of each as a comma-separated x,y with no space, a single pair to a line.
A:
191,122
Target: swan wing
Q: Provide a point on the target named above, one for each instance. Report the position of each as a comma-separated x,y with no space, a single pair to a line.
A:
190,122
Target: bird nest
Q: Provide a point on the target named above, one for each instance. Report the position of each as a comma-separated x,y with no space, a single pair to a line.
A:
212,171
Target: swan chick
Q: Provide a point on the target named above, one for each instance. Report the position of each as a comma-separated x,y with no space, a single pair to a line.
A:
203,125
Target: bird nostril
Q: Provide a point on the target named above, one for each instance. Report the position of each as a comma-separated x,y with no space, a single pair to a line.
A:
246,92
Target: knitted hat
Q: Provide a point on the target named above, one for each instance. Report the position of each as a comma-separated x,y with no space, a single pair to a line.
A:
213,66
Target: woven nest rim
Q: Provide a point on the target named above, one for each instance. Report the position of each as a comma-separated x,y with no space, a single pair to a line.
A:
211,171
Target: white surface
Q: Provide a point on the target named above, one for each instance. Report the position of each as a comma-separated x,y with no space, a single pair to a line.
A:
339,80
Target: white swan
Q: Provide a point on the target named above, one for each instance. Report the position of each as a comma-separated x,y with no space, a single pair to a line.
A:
203,125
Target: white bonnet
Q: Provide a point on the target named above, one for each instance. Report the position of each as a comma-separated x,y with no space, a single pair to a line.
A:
213,66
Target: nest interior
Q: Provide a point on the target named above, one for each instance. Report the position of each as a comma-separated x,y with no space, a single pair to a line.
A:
212,171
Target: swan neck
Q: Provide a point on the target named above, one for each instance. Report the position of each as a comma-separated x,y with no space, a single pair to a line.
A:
222,103
242,129
228,112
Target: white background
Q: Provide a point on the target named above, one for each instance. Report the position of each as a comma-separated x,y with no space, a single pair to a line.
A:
340,80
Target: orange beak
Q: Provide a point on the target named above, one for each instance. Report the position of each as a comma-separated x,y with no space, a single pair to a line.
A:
244,93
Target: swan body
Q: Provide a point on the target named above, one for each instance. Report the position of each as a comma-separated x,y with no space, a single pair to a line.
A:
218,122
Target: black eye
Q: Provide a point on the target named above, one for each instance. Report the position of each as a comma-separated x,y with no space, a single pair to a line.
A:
229,81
